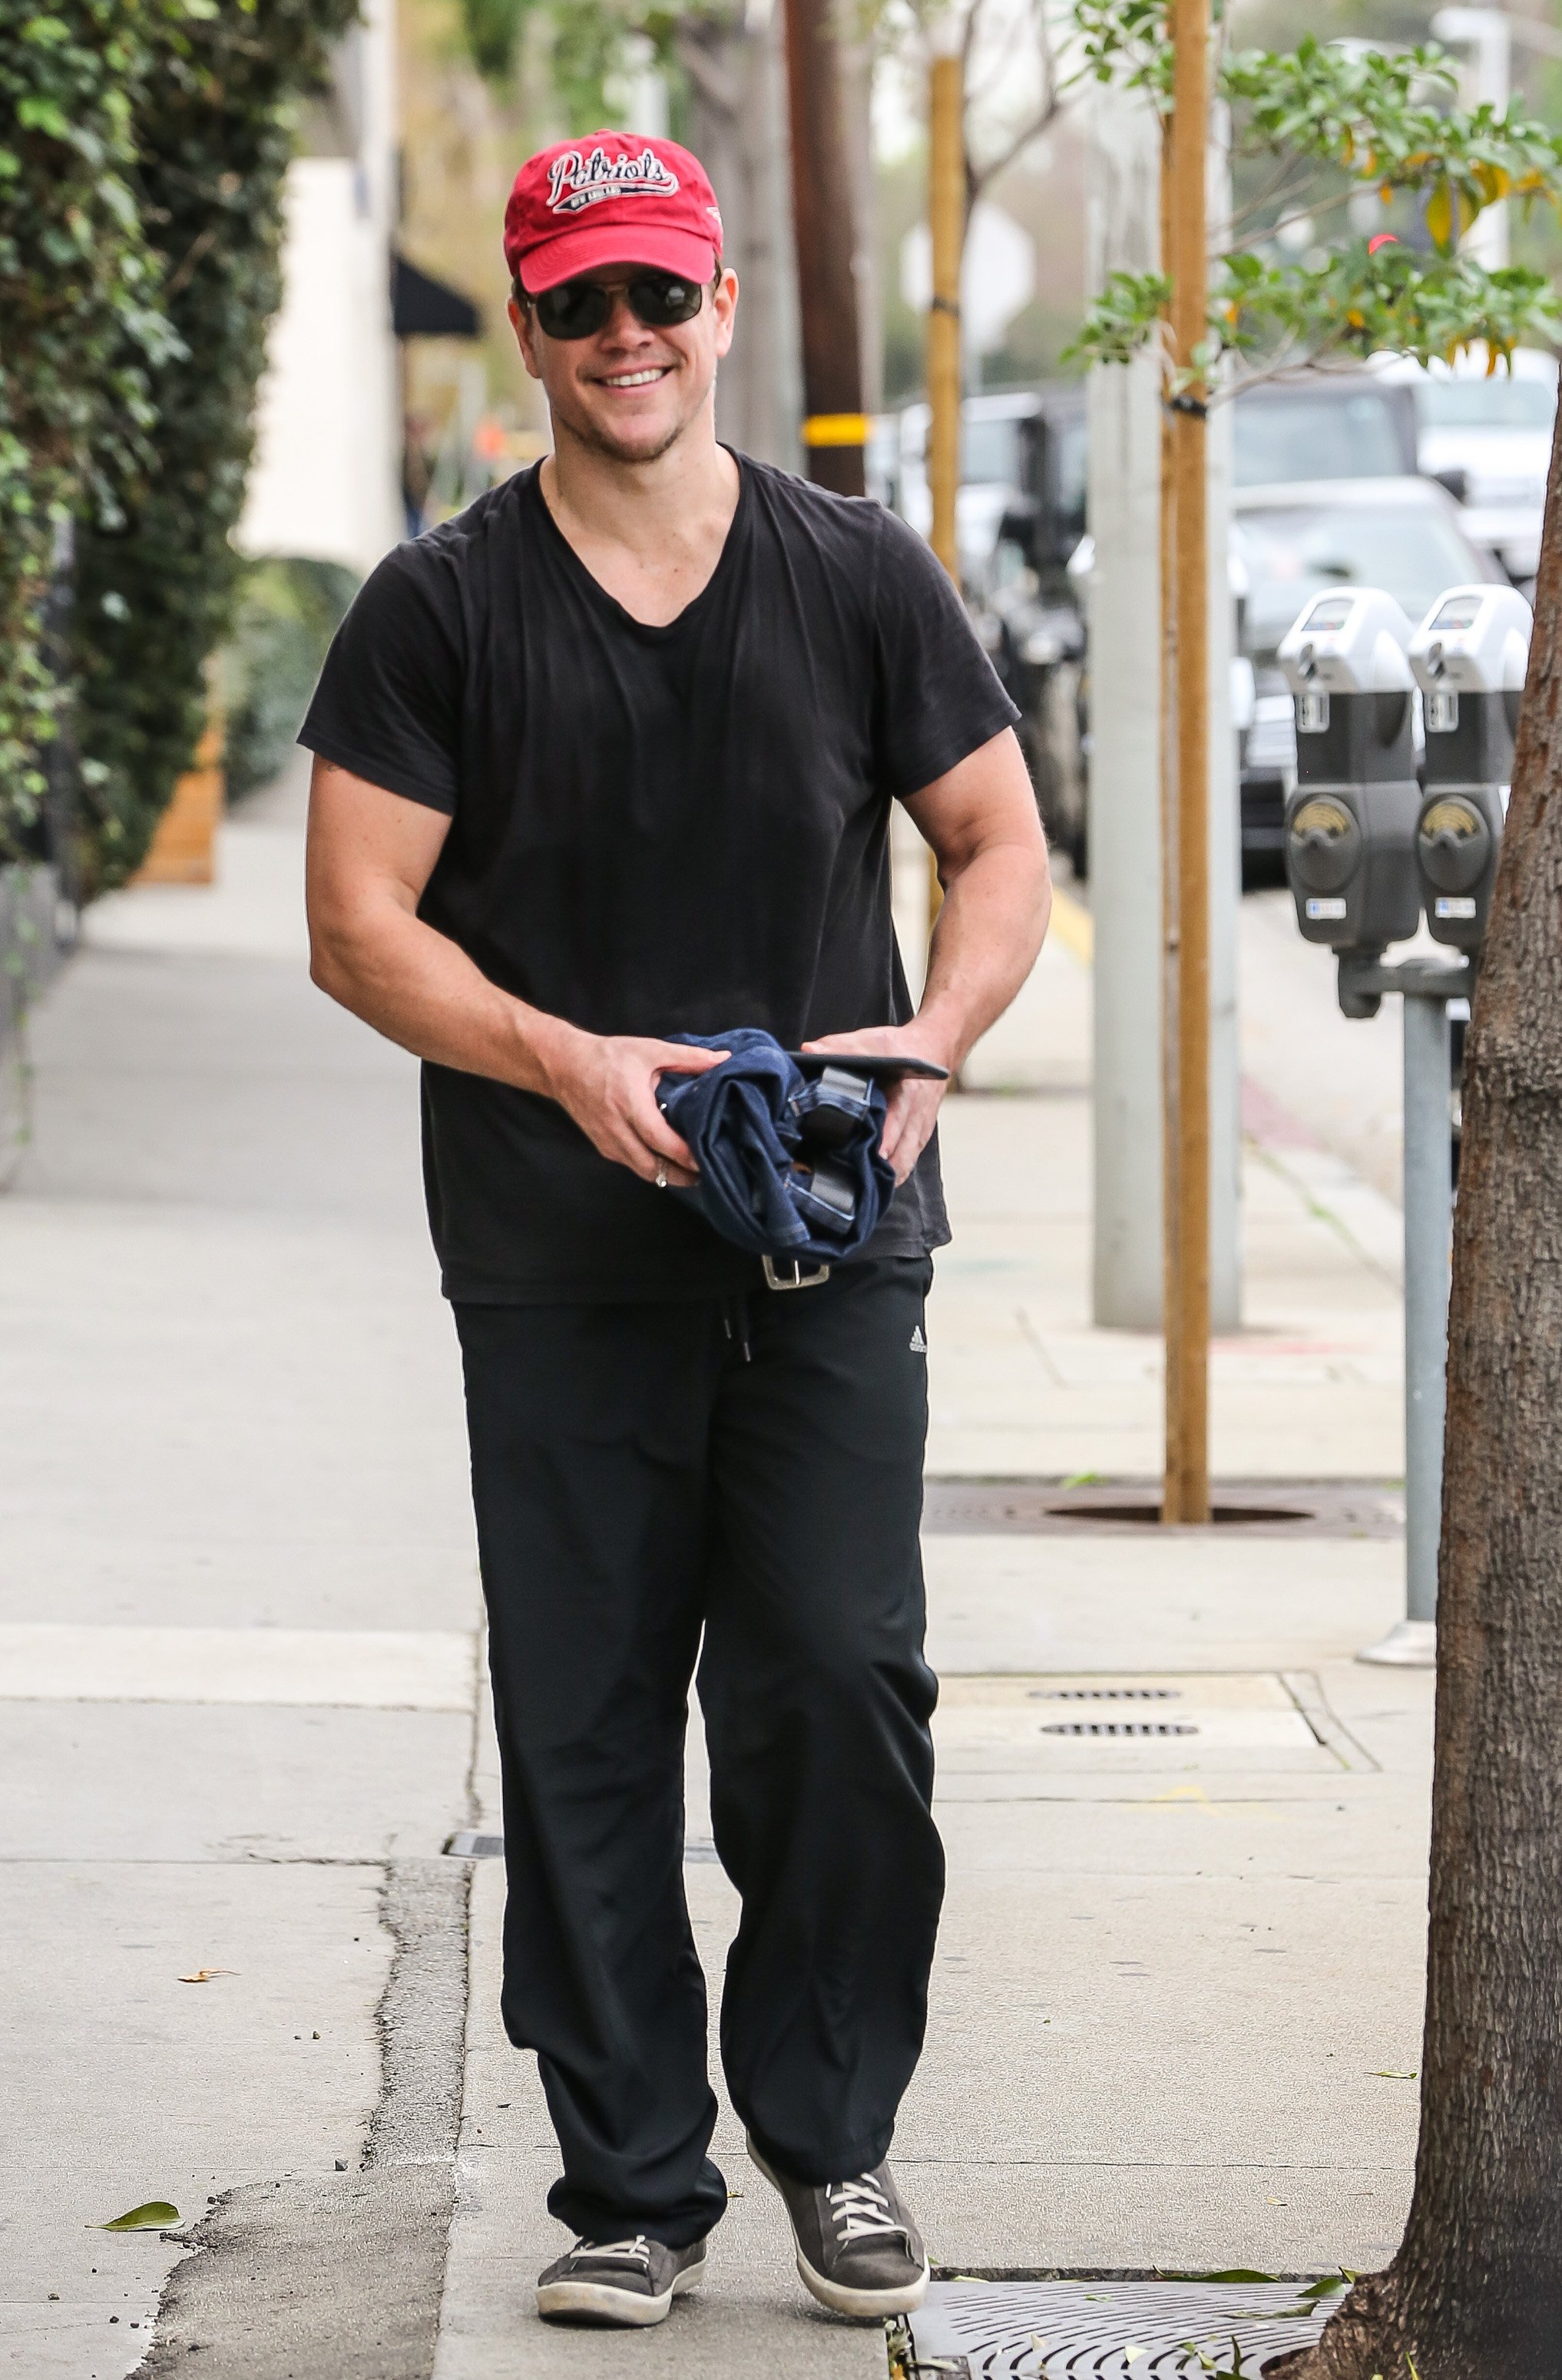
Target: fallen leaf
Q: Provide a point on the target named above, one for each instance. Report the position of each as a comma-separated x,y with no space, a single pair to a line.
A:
205,1974
1394,2074
154,2216
1238,2277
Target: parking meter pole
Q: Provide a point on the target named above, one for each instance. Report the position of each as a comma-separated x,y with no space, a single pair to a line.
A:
1428,1239
1426,986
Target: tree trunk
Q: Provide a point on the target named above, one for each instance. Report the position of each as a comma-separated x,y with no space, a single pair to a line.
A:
1475,2293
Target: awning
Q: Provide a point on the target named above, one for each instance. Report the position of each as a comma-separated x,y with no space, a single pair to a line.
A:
422,308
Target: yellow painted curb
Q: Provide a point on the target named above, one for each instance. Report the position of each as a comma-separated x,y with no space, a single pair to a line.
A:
1073,925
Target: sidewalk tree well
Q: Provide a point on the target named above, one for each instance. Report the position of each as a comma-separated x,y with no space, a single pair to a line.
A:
157,576
1475,2293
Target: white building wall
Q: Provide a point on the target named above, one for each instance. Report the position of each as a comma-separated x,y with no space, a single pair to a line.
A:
326,481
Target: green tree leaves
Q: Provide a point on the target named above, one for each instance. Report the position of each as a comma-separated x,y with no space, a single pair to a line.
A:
1338,119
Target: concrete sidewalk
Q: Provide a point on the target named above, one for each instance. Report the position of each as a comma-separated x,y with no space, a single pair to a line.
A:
1176,2004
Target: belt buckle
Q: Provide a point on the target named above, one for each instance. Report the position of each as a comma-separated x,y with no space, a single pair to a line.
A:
800,1280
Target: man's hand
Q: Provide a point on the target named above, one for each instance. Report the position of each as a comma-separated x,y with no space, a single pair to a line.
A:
983,824
607,1083
913,1102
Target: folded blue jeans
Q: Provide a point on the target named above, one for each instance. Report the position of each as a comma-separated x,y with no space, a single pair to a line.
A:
787,1167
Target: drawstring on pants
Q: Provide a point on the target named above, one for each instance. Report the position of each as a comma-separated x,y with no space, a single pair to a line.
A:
735,1321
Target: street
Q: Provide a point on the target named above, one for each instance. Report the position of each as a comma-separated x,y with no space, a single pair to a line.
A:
1175,2014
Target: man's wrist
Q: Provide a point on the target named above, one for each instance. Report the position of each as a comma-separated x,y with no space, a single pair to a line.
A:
549,1045
938,1036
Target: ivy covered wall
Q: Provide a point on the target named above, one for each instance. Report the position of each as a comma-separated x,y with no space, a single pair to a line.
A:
140,193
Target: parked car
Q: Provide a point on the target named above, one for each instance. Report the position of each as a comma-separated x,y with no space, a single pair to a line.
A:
1487,437
1021,450
1405,535
1025,556
1299,427
1344,423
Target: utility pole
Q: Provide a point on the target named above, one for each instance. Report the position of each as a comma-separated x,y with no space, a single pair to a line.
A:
1186,860
835,429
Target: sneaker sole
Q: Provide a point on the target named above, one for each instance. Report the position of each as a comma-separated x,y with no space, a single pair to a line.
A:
865,2305
599,2301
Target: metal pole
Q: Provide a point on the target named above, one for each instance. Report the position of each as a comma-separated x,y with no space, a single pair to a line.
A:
1428,1253
1187,1492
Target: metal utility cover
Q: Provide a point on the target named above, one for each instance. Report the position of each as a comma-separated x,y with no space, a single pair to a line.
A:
1067,1723
1108,2330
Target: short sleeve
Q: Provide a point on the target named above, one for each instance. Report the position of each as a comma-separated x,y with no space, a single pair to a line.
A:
938,696
388,704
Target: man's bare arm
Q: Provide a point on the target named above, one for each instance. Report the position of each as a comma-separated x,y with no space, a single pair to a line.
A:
371,854
982,822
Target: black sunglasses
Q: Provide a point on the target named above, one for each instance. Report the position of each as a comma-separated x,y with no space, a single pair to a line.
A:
578,309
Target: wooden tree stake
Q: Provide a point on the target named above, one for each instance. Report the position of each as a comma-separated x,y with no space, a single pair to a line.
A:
1187,1492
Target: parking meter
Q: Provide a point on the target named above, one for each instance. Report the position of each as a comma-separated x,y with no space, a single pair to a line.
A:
1470,656
1350,823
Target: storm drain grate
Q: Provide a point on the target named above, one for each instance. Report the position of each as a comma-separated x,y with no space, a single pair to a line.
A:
1118,1727
1098,2330
1105,1694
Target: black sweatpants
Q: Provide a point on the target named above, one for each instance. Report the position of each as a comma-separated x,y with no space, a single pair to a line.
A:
749,1468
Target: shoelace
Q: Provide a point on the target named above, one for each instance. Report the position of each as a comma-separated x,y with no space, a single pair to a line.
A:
860,2209
619,2252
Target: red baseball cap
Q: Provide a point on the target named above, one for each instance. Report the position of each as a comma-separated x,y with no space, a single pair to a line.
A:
611,198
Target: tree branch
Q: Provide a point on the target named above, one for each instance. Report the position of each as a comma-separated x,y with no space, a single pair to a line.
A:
977,178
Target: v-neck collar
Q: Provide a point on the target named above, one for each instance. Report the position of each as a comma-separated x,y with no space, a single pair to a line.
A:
655,631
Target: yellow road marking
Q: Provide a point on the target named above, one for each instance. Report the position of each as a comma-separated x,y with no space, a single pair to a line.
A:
1073,925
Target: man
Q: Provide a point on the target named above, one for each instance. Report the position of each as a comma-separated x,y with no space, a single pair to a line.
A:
607,757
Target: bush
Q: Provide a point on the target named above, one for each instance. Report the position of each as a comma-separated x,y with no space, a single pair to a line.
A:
142,157
287,614
158,578
84,330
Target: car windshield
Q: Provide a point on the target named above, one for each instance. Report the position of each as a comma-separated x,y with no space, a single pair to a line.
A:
990,451
1496,403
1409,551
1316,434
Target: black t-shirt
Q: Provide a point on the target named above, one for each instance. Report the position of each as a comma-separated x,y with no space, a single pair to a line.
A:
654,829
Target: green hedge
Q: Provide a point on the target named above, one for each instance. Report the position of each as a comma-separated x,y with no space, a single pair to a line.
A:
82,328
287,614
139,229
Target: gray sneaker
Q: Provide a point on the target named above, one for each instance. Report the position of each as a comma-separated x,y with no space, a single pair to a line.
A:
859,2249
631,2282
